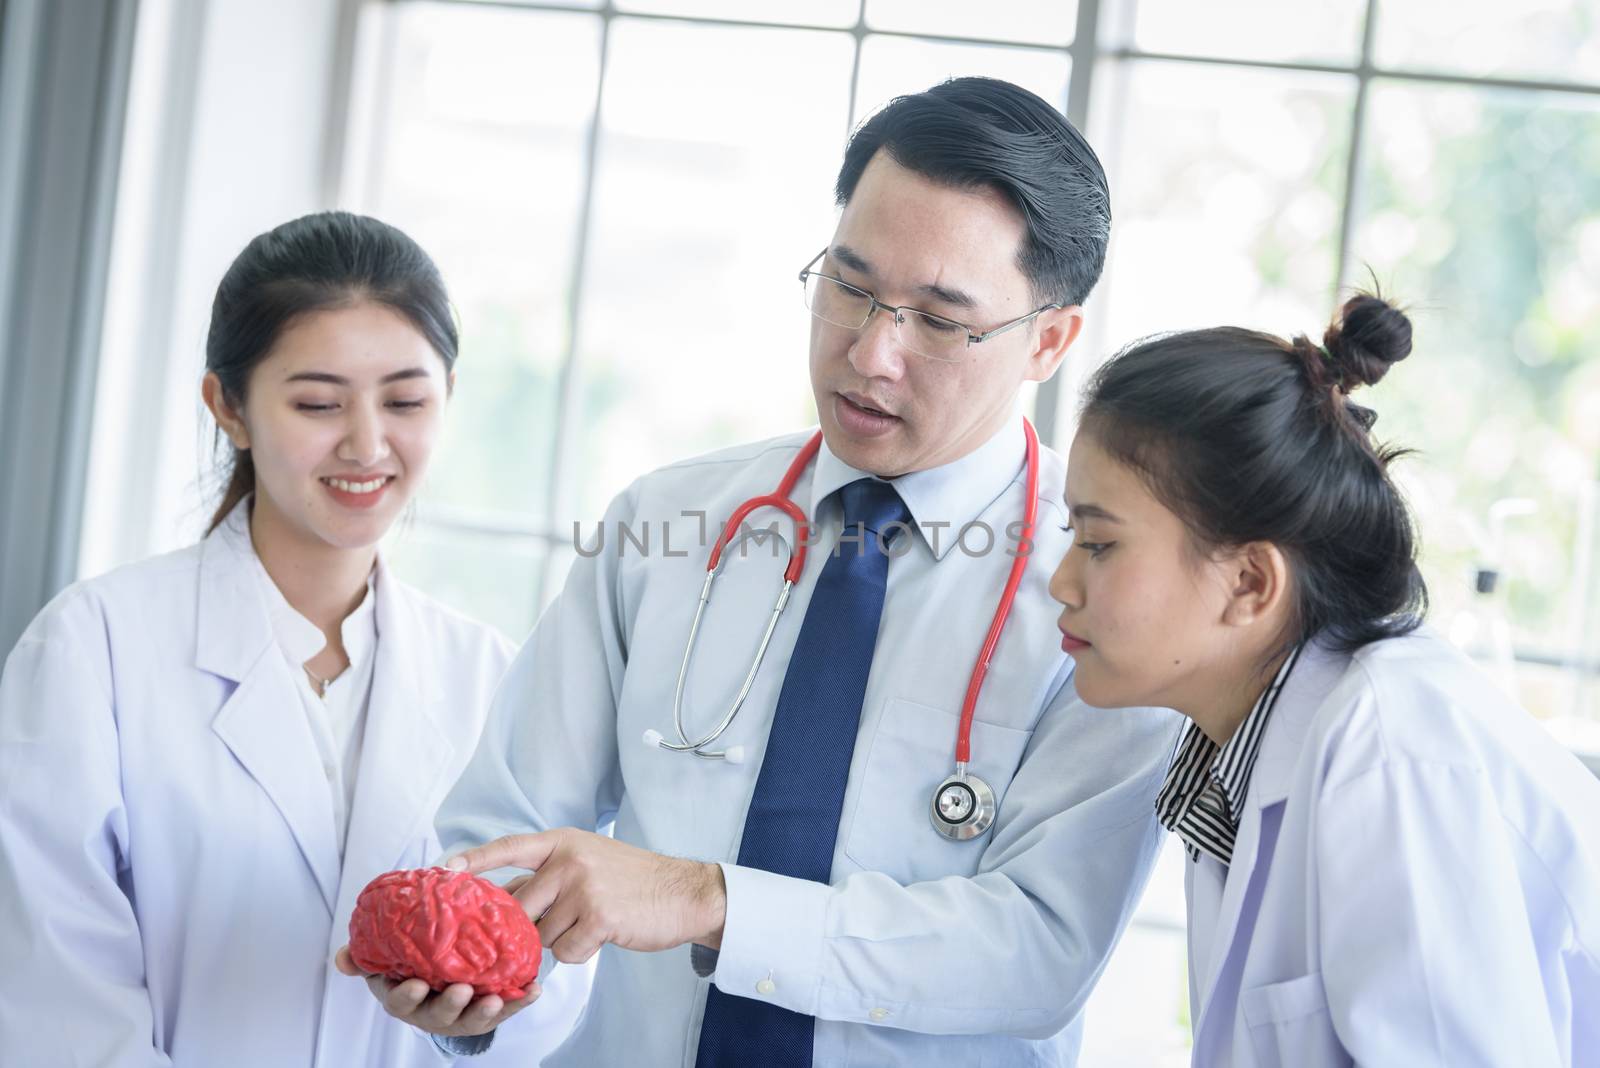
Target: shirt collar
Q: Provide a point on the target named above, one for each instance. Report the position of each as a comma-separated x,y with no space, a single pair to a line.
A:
1203,797
955,493
1236,760
359,631
300,638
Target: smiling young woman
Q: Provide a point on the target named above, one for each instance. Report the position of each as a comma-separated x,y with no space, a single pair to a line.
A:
1389,861
204,757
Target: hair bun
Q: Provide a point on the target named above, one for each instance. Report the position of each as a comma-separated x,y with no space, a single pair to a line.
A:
1370,335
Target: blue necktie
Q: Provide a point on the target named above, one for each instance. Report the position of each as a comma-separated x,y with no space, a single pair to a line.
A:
793,820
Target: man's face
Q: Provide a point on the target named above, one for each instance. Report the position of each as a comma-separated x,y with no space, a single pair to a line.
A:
913,243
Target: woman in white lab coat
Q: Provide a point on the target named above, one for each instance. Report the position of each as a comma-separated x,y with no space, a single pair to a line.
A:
1390,862
204,757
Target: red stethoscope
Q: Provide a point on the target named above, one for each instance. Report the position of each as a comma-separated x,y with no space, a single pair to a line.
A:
963,804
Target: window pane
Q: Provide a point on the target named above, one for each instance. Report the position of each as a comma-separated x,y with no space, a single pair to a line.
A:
1481,210
804,12
491,578
1138,1014
1327,32
1543,39
1034,21
485,115
892,66
543,3
708,203
1226,188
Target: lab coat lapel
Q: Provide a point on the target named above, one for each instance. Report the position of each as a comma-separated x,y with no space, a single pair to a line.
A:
405,750
1240,871
262,722
1302,697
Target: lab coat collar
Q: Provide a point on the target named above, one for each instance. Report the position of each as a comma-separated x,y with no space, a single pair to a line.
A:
1314,675
1319,668
956,493
407,748
261,722
407,743
234,621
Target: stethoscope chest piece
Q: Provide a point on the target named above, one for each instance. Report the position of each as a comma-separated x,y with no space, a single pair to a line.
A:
963,807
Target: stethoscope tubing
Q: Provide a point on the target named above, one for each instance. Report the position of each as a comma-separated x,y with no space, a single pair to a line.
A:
780,498
744,690
1002,611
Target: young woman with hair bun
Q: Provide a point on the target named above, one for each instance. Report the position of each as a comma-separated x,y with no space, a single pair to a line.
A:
1389,861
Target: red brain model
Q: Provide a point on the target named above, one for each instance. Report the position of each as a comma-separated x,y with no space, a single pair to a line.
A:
445,927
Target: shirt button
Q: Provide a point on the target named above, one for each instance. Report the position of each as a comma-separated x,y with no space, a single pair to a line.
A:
878,1015
327,769
766,986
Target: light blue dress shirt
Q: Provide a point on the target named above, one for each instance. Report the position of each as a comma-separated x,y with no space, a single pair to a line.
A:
923,950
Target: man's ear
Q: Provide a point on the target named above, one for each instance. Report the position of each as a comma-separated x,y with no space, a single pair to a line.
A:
216,401
1055,330
1258,576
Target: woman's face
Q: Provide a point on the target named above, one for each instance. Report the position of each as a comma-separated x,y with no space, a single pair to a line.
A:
341,418
1143,612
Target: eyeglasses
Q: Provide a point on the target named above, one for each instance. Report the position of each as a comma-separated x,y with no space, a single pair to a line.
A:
839,303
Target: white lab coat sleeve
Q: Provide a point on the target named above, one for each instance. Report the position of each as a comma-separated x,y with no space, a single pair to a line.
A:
548,754
72,984
1013,949
1427,956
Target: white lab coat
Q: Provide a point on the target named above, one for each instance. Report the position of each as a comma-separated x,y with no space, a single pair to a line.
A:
171,891
1416,879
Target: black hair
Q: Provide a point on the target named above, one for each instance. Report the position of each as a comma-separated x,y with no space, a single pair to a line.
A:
329,259
1248,437
981,132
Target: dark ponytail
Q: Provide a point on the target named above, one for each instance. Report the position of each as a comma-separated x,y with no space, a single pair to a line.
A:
327,260
1251,438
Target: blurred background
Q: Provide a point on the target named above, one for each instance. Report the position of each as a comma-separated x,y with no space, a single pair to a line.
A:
621,193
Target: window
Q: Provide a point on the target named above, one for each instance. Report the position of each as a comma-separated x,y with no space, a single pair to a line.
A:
1481,206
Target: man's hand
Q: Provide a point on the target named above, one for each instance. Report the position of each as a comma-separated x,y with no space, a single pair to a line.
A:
587,890
451,1012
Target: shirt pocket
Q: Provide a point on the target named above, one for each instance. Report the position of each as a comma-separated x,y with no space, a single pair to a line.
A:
1290,1024
913,750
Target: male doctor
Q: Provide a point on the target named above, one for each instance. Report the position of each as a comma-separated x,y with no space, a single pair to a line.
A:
798,906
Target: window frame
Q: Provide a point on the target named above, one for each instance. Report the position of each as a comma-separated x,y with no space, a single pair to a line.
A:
1101,49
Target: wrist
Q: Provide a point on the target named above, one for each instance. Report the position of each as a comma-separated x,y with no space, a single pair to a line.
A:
712,905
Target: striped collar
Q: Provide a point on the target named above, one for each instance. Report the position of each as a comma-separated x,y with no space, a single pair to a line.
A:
1205,790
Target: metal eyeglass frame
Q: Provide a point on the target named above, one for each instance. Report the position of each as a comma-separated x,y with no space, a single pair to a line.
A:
873,304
